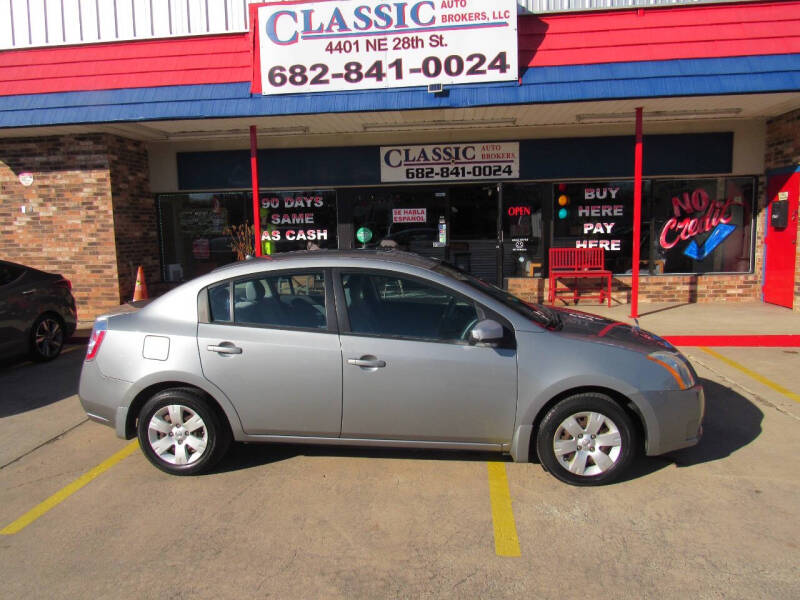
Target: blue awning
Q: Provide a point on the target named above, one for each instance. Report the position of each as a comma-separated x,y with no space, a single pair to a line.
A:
654,79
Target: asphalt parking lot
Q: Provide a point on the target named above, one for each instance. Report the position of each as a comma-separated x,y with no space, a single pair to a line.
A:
83,514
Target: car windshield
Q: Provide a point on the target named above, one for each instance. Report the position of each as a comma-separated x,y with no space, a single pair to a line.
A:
535,312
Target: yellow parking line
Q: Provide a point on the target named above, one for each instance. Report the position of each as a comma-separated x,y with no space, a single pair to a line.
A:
760,378
506,542
65,492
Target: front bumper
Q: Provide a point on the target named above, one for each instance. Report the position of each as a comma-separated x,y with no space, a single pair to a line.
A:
675,419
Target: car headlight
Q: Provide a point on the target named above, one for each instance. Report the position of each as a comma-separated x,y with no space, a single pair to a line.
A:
676,367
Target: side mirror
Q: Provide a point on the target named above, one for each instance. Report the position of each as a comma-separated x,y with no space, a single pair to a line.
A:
486,331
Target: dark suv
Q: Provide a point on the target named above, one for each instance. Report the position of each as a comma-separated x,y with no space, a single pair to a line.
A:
37,312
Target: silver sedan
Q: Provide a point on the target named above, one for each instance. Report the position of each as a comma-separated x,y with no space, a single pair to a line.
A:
384,348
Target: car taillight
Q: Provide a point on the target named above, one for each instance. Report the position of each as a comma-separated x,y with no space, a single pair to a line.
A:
64,283
98,334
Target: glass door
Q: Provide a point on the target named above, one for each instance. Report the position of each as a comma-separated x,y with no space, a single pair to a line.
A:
473,241
524,229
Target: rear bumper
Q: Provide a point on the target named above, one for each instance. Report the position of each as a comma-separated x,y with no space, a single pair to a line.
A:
676,419
102,398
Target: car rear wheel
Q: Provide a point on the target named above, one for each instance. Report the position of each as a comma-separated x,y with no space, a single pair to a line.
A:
180,433
586,439
47,338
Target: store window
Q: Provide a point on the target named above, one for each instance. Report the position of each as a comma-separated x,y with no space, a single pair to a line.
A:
703,225
596,215
457,223
196,234
298,220
193,238
406,219
688,226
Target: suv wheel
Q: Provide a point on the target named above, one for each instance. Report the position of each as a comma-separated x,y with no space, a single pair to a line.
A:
47,338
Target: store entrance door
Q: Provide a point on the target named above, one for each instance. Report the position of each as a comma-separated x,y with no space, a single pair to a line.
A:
781,240
473,239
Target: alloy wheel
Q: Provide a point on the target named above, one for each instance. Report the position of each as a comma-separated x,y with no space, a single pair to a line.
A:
587,443
177,434
48,337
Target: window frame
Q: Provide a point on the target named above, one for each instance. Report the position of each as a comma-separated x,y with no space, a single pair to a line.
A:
332,325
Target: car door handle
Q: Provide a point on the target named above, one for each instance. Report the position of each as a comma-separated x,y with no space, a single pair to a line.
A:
360,362
225,349
26,292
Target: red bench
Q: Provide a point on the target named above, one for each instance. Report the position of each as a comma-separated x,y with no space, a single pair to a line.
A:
578,263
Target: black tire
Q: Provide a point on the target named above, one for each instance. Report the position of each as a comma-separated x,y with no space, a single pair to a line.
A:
182,442
587,466
46,337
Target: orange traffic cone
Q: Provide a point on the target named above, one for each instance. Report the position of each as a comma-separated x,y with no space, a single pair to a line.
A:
140,290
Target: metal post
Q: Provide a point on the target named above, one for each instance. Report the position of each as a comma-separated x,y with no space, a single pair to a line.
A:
254,178
637,215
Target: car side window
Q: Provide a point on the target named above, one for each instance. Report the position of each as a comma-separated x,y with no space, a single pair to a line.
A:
283,300
219,301
406,307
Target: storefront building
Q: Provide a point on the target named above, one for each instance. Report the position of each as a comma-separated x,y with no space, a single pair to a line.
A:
115,155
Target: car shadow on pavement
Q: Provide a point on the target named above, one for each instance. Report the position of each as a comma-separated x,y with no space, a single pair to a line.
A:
245,456
731,423
26,386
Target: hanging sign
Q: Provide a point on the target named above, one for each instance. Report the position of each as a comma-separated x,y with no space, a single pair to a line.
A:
450,162
366,44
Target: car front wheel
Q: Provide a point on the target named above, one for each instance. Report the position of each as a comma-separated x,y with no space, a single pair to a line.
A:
586,439
180,433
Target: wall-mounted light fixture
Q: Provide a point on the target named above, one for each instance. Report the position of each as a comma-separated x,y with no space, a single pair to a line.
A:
237,133
659,115
440,124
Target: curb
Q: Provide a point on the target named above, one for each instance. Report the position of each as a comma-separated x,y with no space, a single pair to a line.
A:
755,341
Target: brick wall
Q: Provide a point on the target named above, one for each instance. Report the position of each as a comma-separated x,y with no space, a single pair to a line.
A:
81,214
135,222
666,288
783,150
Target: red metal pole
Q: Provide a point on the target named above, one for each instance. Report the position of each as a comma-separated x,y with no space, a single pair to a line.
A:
254,178
637,215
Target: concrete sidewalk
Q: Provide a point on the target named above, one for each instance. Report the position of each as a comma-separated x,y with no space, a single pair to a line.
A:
750,318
